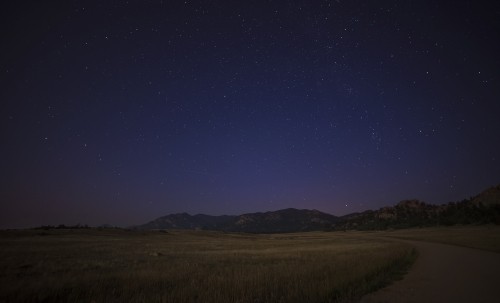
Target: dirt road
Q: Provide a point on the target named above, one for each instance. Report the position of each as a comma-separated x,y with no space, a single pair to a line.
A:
445,273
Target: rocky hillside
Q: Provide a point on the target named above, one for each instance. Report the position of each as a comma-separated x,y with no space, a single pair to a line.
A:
488,198
481,209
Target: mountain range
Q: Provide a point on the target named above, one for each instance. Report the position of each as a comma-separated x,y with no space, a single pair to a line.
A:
481,209
280,221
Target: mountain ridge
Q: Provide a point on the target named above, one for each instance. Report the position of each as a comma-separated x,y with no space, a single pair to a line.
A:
283,220
483,208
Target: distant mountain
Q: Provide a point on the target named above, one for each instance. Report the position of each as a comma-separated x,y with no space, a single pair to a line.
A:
285,220
481,209
186,221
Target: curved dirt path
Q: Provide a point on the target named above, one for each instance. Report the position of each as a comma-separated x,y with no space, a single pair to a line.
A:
445,273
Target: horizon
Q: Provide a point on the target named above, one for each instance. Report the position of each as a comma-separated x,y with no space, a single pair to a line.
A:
245,213
117,113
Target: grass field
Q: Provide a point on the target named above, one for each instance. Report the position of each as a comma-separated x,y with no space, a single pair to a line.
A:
485,237
188,266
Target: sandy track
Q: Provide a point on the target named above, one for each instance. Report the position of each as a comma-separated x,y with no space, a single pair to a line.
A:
445,273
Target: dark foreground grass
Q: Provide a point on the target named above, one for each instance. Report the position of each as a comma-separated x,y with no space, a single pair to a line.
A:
124,266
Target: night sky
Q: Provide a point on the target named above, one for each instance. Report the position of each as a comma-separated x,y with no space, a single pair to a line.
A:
119,112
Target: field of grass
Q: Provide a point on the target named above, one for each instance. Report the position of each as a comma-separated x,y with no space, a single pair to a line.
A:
125,266
485,237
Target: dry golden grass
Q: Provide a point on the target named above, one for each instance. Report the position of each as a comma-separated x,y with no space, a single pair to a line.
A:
124,266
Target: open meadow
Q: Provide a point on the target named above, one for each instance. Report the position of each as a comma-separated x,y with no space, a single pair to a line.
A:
113,265
484,237
108,265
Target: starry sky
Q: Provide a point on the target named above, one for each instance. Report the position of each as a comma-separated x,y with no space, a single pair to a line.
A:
119,112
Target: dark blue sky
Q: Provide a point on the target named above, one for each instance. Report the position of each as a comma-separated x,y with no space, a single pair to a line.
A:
122,111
